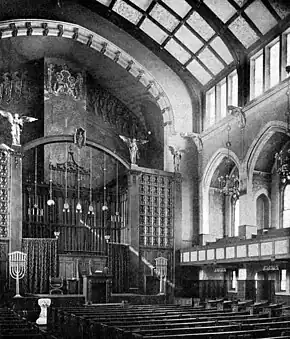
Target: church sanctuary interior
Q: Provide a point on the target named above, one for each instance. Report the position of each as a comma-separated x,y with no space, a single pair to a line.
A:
144,169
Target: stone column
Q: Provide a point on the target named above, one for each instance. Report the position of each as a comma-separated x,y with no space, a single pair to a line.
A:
178,212
133,226
246,208
15,206
133,208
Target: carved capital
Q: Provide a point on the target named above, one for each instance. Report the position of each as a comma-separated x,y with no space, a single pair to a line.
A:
195,137
238,113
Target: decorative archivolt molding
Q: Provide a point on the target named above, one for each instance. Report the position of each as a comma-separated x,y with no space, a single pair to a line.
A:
215,161
51,28
260,141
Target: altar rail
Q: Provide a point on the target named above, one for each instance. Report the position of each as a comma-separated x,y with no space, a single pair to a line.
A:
74,238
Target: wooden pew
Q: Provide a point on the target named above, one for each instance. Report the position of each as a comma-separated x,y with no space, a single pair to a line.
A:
274,310
86,322
238,306
258,306
213,303
223,305
223,334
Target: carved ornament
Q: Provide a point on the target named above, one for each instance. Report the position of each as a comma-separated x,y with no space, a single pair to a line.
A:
59,80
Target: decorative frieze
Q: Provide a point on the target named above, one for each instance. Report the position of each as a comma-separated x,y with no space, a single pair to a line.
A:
12,86
115,114
60,80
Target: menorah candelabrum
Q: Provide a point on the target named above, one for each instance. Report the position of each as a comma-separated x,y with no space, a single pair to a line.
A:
17,267
161,270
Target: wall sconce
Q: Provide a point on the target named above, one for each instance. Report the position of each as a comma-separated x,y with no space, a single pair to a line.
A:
107,238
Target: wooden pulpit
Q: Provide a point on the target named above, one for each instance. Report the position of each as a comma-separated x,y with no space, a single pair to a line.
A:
97,288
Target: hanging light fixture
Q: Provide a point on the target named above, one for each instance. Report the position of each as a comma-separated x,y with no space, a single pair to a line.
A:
105,206
36,210
66,204
91,207
79,206
283,157
117,218
50,201
229,184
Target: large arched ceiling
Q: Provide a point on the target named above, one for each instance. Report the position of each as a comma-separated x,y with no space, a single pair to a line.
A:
200,38
106,73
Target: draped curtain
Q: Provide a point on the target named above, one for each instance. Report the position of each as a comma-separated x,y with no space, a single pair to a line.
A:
41,264
120,268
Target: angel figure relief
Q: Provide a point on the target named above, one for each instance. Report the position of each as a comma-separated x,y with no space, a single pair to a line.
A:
16,123
133,147
177,155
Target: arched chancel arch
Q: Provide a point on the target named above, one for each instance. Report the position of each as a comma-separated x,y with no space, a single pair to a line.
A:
69,138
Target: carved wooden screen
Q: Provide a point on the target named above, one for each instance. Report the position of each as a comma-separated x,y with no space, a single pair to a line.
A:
156,211
4,177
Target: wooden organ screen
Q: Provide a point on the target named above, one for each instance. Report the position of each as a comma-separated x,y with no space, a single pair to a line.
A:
79,232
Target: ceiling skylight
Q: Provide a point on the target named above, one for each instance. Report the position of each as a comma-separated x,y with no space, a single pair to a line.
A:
166,19
200,26
210,61
177,51
181,7
188,34
240,2
105,2
188,39
243,31
143,4
221,8
220,47
199,72
260,16
153,31
126,11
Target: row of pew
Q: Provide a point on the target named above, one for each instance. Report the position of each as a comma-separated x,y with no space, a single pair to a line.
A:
121,321
14,326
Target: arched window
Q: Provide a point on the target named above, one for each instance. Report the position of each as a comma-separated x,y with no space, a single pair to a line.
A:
262,214
286,206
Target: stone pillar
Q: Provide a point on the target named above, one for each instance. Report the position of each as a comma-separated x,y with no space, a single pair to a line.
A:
178,212
136,274
133,208
246,290
15,205
246,208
